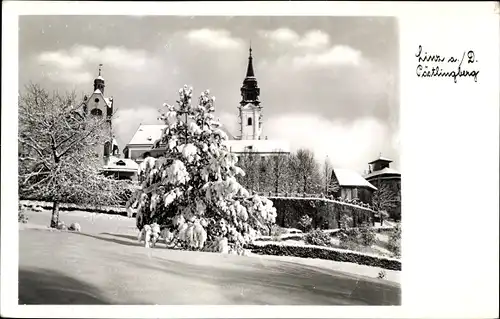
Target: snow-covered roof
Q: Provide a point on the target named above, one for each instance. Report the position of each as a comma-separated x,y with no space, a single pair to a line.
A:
349,177
108,101
147,134
259,146
121,164
100,78
384,159
384,171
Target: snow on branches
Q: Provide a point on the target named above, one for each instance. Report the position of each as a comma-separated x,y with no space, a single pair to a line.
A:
196,181
57,152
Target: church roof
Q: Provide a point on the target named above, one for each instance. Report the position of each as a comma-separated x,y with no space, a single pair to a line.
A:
385,171
349,177
147,134
250,72
108,101
381,159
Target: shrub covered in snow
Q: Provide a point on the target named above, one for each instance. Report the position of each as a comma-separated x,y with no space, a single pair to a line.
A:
61,225
351,238
317,237
305,223
197,180
367,235
75,227
394,245
277,231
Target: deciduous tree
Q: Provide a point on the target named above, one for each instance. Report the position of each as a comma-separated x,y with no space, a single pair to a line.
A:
57,158
306,171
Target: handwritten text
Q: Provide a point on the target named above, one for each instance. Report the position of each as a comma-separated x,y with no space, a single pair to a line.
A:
440,66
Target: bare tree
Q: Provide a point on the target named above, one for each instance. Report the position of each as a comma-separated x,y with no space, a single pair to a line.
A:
306,171
264,174
280,172
249,162
327,176
57,157
384,199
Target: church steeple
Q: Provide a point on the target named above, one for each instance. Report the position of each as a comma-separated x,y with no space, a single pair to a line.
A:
250,90
250,111
250,72
99,81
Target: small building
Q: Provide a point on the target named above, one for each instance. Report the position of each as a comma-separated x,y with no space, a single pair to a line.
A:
143,141
121,168
351,185
382,175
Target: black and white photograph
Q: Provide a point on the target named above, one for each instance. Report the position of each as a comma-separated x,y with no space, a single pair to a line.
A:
244,159
254,158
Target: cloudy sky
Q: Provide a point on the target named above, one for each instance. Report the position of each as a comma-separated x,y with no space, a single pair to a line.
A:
327,83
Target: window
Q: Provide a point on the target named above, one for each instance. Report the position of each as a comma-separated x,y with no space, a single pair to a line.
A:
249,121
348,193
96,112
107,148
355,193
96,100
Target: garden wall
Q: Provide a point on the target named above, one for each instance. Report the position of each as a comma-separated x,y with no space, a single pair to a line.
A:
325,213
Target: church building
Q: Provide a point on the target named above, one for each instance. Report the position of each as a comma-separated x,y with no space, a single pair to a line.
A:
248,140
100,106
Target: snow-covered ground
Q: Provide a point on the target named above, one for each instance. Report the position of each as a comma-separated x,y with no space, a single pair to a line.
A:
116,225
81,268
350,268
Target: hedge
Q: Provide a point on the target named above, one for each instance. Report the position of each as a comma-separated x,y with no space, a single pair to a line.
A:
325,213
281,237
326,253
113,210
385,229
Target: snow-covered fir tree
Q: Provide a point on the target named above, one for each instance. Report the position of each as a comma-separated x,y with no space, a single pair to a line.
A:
196,180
